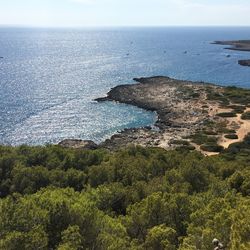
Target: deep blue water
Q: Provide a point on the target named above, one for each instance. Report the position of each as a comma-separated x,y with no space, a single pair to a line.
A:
49,77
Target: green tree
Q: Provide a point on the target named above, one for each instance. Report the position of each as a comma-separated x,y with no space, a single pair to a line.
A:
161,238
240,233
71,239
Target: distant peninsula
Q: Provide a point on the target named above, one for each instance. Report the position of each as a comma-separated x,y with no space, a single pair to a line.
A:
240,45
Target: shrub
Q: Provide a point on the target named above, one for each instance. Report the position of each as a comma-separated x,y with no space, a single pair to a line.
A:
245,116
200,138
210,132
186,148
180,142
211,148
227,114
232,136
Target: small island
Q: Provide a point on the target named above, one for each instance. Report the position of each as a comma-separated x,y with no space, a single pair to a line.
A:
193,115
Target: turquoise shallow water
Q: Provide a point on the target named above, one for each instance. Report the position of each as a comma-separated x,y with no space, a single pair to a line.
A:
49,77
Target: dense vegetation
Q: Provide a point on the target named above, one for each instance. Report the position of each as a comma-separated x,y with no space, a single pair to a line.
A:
135,198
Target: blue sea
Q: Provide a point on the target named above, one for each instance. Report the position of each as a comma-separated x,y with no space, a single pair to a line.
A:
49,77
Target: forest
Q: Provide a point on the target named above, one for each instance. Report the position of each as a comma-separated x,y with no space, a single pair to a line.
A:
134,198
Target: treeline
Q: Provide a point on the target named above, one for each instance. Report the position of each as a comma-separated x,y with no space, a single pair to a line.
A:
135,198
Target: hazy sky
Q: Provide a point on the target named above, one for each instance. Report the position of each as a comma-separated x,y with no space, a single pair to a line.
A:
124,12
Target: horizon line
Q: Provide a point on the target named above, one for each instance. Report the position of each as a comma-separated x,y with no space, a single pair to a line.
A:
120,26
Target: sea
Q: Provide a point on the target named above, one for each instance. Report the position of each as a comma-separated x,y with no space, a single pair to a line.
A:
50,77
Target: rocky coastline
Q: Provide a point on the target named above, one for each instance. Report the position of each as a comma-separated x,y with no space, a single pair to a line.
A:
183,108
171,99
186,111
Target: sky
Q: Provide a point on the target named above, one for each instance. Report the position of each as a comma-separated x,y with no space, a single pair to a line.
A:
85,13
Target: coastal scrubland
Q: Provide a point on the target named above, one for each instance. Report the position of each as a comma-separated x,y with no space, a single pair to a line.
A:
173,187
133,198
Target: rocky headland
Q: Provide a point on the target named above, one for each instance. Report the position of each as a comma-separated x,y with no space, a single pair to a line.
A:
195,115
241,45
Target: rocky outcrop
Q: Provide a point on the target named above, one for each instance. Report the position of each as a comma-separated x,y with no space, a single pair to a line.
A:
178,104
78,144
244,62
